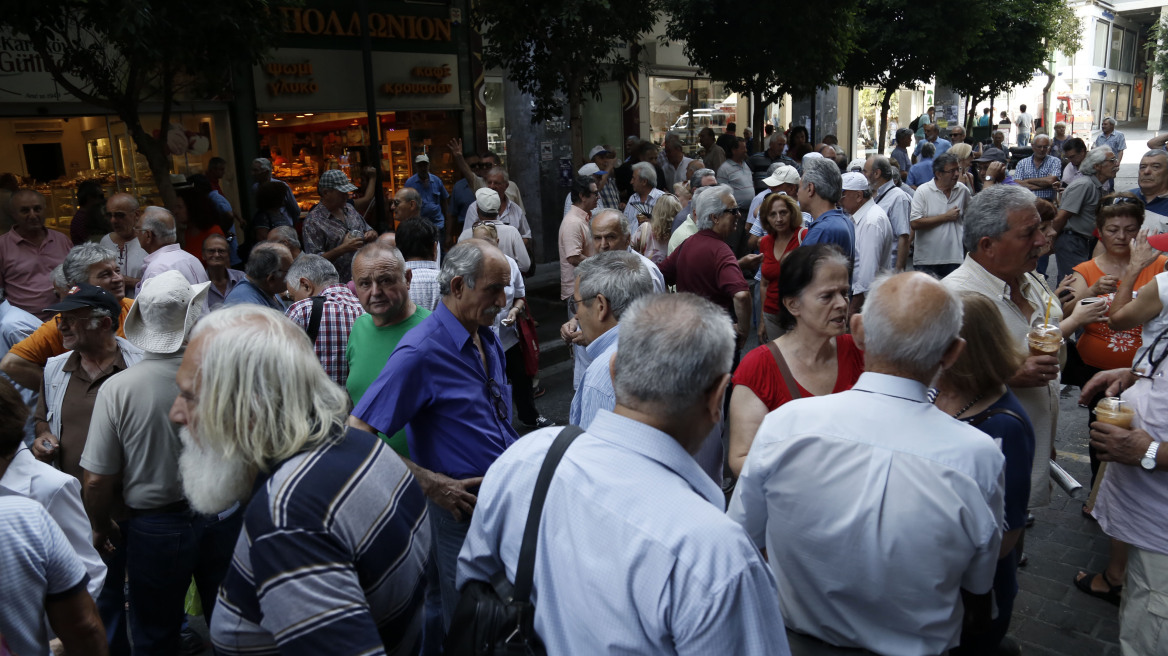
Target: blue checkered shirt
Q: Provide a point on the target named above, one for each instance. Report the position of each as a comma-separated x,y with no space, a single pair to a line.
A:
1027,170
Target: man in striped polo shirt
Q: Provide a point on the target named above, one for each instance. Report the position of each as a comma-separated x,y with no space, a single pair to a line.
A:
335,537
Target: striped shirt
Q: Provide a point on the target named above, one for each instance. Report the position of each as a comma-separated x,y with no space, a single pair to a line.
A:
341,309
331,557
424,291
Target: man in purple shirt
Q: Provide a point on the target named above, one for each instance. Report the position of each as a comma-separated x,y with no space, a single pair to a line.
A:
445,384
157,236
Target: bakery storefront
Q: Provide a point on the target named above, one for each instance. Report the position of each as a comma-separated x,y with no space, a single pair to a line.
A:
311,103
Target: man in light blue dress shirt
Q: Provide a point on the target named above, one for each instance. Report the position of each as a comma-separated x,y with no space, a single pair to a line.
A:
636,555
876,509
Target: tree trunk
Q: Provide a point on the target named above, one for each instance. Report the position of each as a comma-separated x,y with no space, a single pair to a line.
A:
576,124
757,116
154,152
885,104
1047,105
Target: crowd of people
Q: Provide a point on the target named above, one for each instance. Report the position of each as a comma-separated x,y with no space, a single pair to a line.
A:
311,438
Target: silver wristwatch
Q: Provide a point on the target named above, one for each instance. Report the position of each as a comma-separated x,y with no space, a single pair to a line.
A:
1148,462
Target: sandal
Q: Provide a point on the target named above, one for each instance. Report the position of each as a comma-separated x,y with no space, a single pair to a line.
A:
1113,594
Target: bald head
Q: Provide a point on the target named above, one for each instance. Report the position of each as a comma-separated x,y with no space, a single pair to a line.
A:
387,239
910,326
610,231
155,226
122,210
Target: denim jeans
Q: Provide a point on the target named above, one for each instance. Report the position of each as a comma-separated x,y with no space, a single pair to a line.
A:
163,552
111,603
1070,250
448,535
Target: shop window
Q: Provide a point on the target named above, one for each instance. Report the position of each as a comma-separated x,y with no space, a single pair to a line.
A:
1100,56
686,106
496,117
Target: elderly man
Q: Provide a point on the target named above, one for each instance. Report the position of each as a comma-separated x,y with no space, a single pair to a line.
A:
645,192
706,266
333,228
669,588
217,256
486,209
676,163
735,173
932,136
158,237
1075,221
1040,172
1004,241
762,162
712,154
818,195
606,284
445,384
313,570
28,254
896,203
383,283
325,309
575,239
936,217
122,210
1110,138
87,263
922,171
407,204
261,172
610,232
88,323
892,591
286,235
488,161
873,236
509,212
267,268
1152,189
131,460
418,241
433,193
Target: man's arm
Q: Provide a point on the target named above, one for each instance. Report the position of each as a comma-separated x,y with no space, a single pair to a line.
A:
927,222
24,373
1037,183
349,244
902,247
74,619
101,492
742,309
1060,220
460,165
1158,141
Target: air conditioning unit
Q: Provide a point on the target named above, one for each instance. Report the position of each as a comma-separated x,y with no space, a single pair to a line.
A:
43,128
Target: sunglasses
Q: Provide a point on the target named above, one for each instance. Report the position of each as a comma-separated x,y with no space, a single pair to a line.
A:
496,394
1123,200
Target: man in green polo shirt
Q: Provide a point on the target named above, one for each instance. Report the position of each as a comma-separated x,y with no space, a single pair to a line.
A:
383,287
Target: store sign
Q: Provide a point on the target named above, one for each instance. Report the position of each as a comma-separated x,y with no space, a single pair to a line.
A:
302,79
317,22
23,74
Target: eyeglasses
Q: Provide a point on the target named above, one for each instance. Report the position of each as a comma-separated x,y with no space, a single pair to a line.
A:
573,304
63,320
1153,361
737,212
1111,160
496,394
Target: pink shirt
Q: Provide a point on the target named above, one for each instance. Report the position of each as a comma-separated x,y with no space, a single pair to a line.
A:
575,239
25,269
173,258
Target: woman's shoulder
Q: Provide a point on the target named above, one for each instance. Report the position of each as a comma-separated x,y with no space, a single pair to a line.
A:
1089,269
758,359
1006,415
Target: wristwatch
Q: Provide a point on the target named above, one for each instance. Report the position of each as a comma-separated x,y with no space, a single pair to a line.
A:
1148,462
989,177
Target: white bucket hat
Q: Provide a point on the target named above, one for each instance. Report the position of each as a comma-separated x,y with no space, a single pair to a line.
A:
164,312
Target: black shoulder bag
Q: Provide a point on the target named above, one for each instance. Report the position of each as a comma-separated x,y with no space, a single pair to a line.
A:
314,319
497,618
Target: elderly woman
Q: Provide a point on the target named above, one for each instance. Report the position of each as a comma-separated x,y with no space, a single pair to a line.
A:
652,238
974,389
522,394
783,223
815,356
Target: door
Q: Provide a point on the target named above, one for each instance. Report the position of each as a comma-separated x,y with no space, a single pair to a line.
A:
44,162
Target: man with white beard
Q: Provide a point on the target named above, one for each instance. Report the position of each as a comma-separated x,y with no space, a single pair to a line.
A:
131,457
335,536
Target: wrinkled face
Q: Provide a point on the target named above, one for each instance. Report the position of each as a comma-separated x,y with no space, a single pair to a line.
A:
606,234
404,208
822,306
333,199
586,314
1153,175
488,298
1117,234
1041,146
78,328
1060,131
185,409
383,288
957,135
108,276
725,222
639,183
215,252
777,145
852,200
29,209
121,213
497,182
1017,250
947,177
1108,168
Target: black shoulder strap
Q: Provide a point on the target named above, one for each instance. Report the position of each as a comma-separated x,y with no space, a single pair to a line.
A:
525,569
314,320
981,417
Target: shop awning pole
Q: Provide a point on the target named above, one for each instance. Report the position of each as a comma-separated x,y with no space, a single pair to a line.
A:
371,110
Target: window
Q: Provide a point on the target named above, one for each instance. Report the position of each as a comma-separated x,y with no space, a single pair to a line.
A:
1129,52
1100,57
686,106
1114,61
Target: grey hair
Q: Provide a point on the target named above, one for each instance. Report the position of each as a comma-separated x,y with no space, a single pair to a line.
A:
76,265
498,169
464,260
285,235
1108,119
928,150
264,162
317,270
943,160
774,167
619,275
651,372
1094,158
648,173
622,220
825,175
97,314
408,194
883,166
264,259
1041,135
988,213
378,249
695,182
1157,152
918,349
256,364
58,276
154,220
709,205
673,140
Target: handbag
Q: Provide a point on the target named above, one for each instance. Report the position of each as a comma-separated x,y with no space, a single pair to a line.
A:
528,343
497,618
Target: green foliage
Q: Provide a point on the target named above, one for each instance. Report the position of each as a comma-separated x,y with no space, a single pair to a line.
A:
1007,54
738,43
1065,32
554,47
1158,53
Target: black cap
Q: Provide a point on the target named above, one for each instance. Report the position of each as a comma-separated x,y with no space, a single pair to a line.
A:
84,295
992,155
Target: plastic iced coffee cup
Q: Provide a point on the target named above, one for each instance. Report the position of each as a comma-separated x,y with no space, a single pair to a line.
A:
1115,411
1044,339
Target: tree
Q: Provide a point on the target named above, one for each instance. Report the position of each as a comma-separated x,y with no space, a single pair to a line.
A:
122,55
903,43
1015,45
734,42
1064,36
565,48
